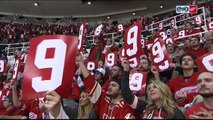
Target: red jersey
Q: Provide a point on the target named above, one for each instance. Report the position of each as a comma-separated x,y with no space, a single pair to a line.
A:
75,93
197,53
178,85
105,108
10,112
154,114
24,108
35,112
197,108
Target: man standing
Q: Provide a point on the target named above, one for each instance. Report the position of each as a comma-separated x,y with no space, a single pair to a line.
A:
203,110
196,48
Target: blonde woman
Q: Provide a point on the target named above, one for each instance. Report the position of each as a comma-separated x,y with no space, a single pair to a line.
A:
85,108
160,102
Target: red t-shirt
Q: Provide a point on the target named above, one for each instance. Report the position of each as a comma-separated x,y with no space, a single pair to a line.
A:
178,85
197,108
197,53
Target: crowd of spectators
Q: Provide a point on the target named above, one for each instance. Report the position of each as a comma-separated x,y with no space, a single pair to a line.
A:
184,91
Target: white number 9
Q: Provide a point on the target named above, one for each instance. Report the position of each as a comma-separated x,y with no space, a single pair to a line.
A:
120,28
182,33
198,20
1,66
134,64
80,36
173,23
132,40
136,81
206,62
157,50
210,25
110,59
56,63
90,66
160,26
15,73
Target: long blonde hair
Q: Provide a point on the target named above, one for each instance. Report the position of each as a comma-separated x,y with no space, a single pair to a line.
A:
167,101
84,110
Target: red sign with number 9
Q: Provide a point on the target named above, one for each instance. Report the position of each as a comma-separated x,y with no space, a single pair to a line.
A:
132,43
111,59
137,82
205,62
120,28
91,65
210,25
3,66
160,57
16,68
49,66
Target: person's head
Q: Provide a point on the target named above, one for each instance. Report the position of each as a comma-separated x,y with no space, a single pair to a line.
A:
7,102
187,61
208,37
187,43
114,89
179,51
195,41
205,84
159,93
100,64
154,34
170,48
209,48
188,26
97,41
99,74
145,64
116,71
109,42
84,99
85,106
173,31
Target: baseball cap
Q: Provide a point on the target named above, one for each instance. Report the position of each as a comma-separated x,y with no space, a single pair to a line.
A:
100,70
